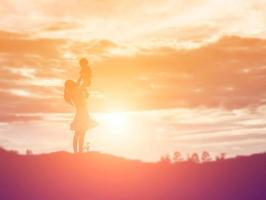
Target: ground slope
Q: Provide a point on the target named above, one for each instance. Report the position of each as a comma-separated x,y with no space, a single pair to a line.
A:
64,176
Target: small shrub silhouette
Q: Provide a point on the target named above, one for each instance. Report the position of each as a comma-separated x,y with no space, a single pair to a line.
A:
87,147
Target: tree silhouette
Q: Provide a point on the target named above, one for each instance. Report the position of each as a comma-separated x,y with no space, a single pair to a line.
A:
165,159
194,158
205,156
220,157
29,152
177,157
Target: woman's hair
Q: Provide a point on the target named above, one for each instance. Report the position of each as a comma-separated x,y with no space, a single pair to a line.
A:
69,86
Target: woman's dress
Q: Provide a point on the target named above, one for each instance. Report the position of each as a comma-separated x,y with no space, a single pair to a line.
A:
82,120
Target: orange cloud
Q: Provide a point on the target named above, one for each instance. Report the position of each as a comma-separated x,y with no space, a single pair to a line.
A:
18,118
21,44
61,26
229,73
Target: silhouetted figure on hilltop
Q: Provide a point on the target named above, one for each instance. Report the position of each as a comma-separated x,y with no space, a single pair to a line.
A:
74,95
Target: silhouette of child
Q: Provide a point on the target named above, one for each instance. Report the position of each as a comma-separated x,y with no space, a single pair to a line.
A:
85,75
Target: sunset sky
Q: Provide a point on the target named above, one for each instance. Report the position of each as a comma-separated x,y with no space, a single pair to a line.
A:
167,75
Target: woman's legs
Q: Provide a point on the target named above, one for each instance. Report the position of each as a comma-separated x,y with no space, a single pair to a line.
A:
78,141
81,141
75,141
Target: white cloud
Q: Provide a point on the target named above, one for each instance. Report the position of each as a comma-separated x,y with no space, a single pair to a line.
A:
165,22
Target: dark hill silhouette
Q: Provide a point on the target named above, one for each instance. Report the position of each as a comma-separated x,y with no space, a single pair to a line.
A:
64,176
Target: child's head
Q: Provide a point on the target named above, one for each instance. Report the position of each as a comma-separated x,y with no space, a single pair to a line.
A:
85,70
83,62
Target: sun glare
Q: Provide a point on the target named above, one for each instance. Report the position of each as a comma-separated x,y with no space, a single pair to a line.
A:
116,121
115,126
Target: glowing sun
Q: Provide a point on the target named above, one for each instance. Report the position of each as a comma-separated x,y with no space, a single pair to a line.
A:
116,121
115,126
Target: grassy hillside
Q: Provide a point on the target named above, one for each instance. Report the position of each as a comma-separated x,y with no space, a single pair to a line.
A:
66,176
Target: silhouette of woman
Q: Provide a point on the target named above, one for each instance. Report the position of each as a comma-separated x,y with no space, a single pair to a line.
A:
74,95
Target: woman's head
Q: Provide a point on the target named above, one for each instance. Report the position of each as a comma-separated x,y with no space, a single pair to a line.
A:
70,86
83,62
